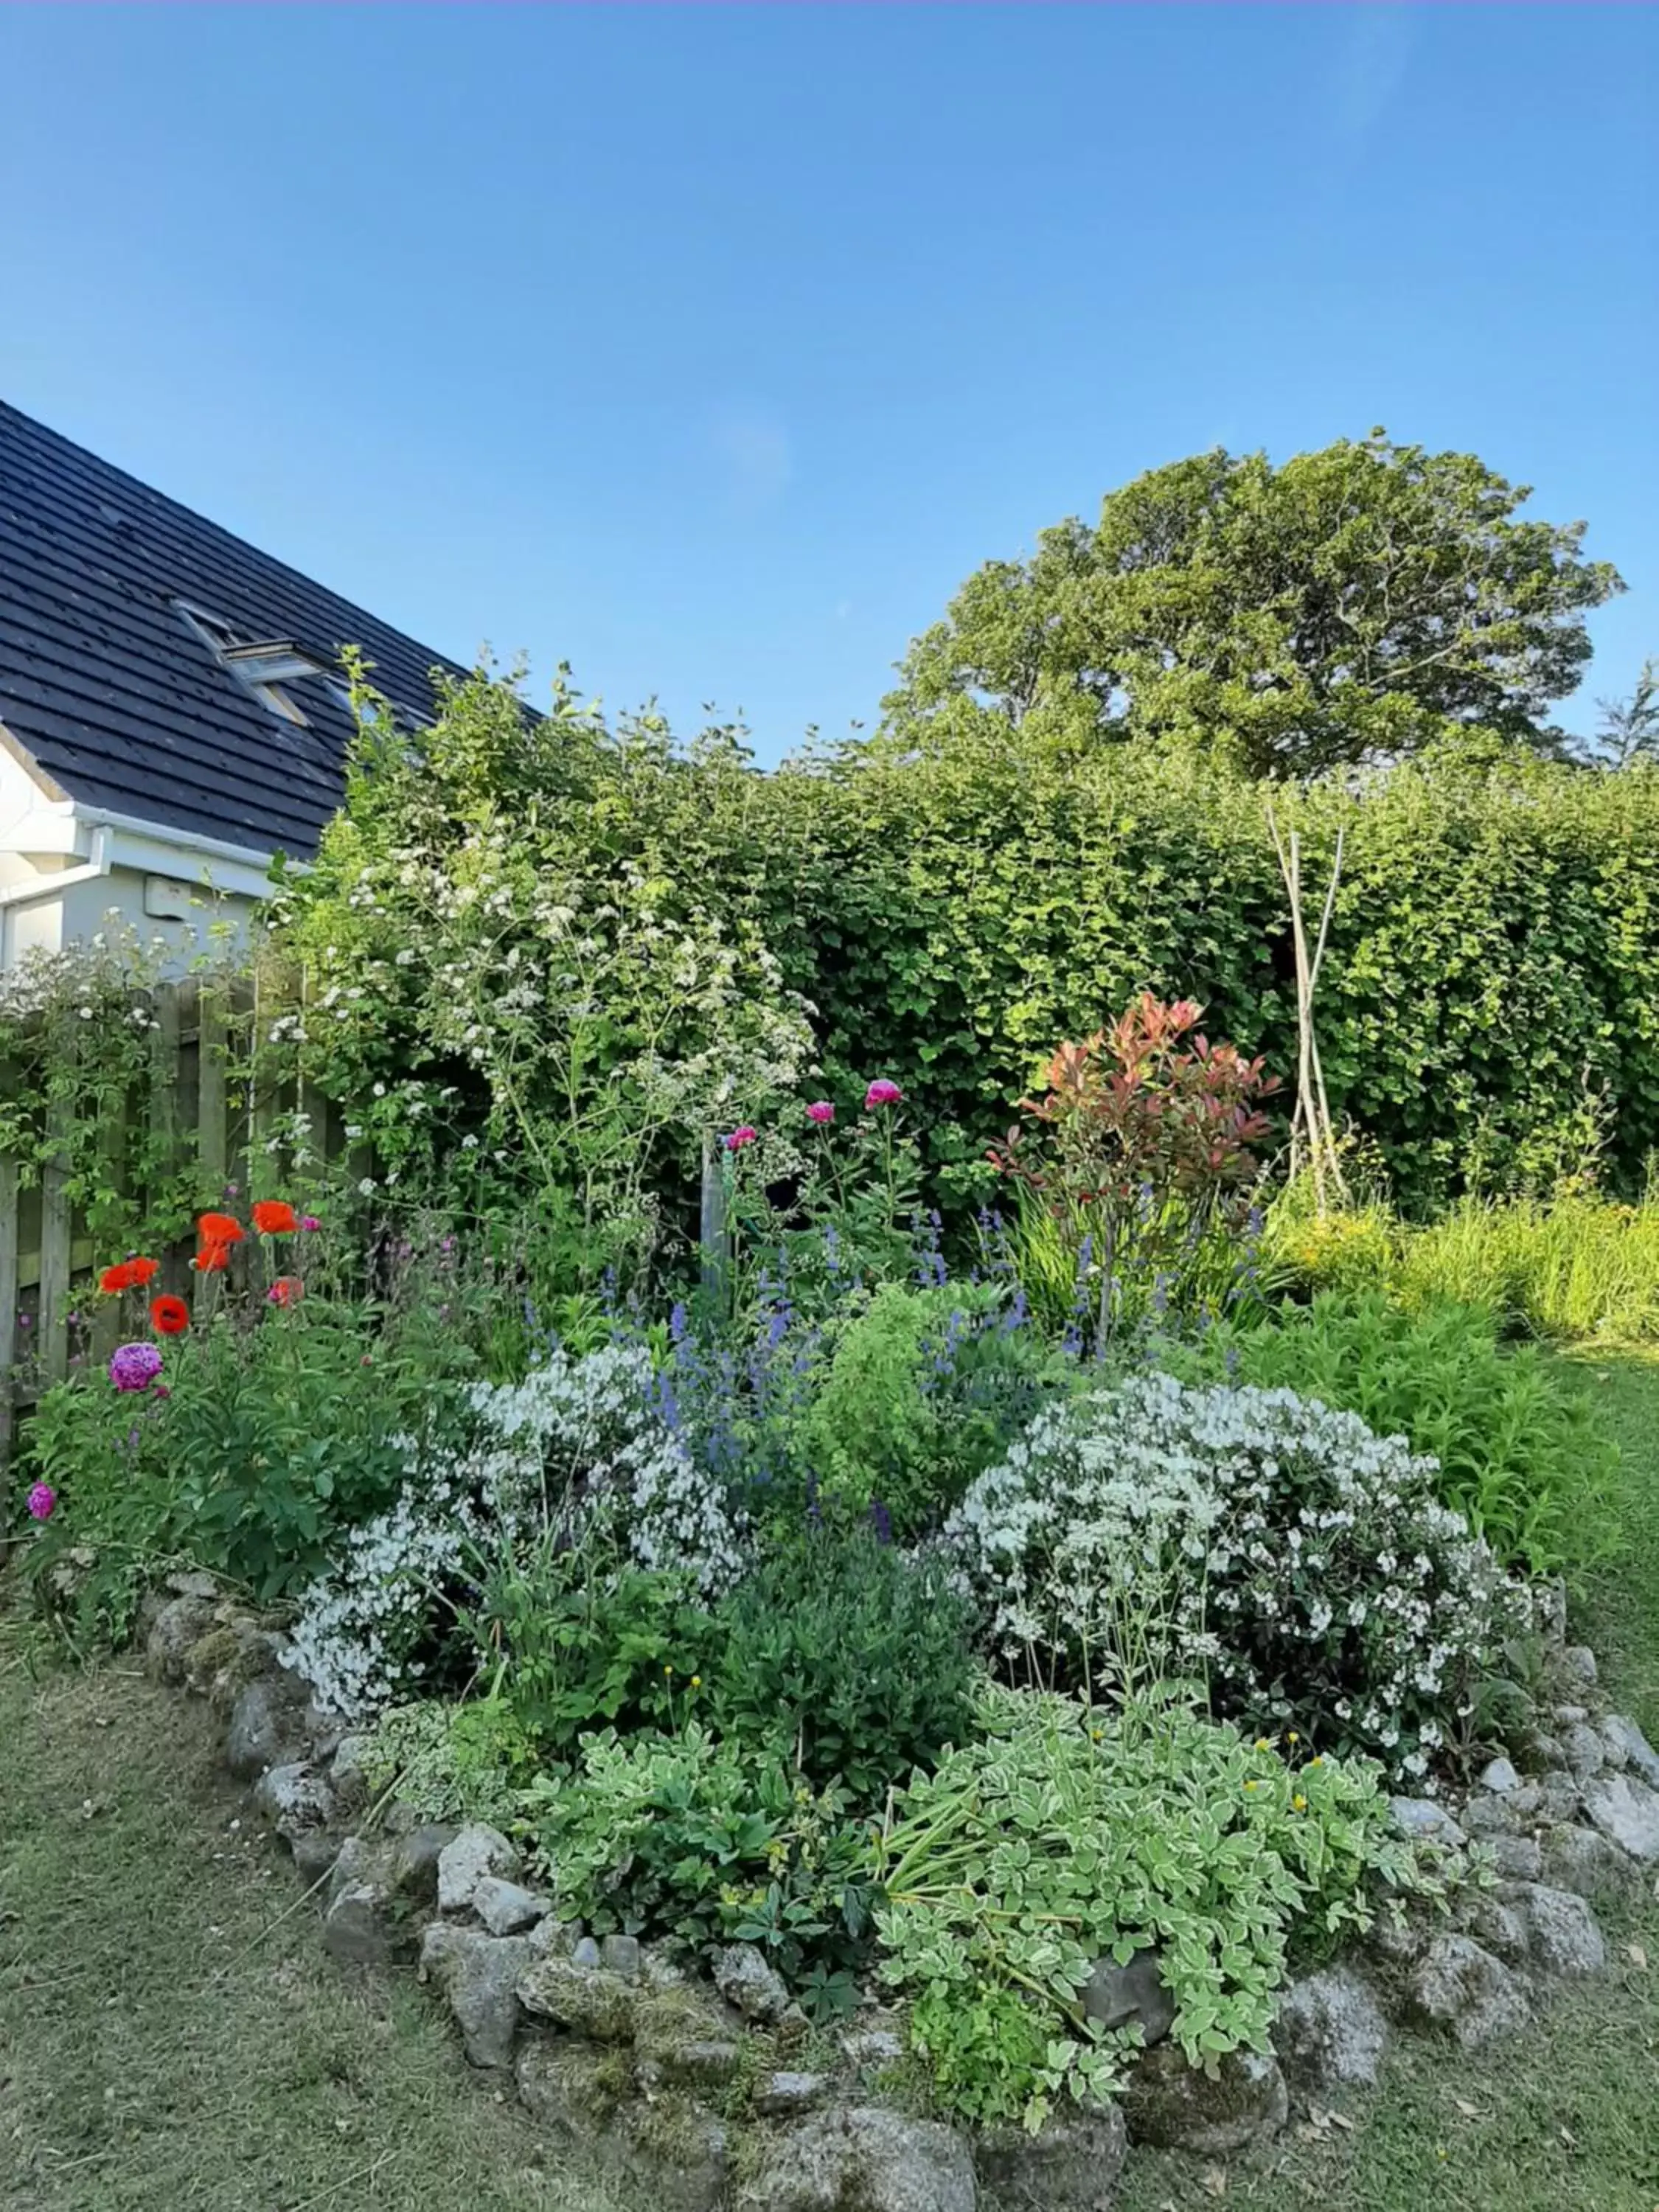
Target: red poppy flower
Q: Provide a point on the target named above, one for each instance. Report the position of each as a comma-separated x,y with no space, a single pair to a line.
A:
286,1291
219,1228
129,1276
169,1317
212,1260
274,1216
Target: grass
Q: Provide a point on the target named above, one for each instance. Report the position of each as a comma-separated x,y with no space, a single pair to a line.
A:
166,2044
163,2046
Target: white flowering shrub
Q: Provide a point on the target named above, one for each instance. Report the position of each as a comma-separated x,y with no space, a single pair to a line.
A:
1299,1563
574,1455
510,982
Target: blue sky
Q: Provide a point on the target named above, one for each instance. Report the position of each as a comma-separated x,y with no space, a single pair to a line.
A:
710,348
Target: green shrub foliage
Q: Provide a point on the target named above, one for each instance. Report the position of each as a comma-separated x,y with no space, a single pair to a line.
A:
949,909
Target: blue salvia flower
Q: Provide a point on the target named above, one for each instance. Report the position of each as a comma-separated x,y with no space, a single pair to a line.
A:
677,1321
882,1521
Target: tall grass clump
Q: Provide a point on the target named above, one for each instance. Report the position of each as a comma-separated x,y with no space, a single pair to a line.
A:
1578,1268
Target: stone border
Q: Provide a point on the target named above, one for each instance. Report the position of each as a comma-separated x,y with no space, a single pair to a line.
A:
708,2095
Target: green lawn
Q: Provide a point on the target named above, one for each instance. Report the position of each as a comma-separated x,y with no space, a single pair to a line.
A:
169,2043
165,2046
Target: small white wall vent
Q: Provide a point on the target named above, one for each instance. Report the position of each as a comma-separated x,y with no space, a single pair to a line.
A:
167,900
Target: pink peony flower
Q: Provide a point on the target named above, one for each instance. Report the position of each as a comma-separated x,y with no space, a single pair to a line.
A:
134,1366
43,1502
822,1112
882,1092
739,1138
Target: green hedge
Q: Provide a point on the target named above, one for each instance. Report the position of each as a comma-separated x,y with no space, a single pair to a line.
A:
1494,950
951,914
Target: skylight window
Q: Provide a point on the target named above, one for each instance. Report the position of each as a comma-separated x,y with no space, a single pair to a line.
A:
264,667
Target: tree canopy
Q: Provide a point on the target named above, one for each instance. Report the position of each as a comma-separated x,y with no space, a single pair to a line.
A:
1353,604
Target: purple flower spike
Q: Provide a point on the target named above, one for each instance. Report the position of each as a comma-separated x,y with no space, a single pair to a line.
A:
134,1366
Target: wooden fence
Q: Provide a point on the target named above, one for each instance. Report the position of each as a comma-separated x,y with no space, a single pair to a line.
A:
205,1119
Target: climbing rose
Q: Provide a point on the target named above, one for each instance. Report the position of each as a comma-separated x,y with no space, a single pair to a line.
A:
134,1366
286,1291
169,1317
739,1138
43,1500
882,1092
822,1112
274,1216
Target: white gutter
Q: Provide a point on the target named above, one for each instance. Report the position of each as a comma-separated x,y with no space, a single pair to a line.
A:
48,887
162,833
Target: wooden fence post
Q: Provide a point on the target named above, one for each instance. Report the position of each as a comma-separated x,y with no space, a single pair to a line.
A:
56,1238
10,1243
714,1236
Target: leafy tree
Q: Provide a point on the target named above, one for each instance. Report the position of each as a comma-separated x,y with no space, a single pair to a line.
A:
1355,604
1630,727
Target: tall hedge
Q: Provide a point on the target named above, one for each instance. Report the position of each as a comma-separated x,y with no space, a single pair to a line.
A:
1494,951
952,912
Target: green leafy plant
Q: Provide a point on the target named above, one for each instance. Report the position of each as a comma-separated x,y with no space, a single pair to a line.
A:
451,1762
571,1651
699,1841
921,1389
1059,1839
845,1656
1522,1453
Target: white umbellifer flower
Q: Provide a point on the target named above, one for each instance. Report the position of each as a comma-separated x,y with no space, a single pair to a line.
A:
575,1451
1159,1528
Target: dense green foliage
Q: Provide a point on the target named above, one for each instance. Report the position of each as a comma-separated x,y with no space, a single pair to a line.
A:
1579,1266
700,1838
1520,1454
1350,605
845,1657
921,1390
949,913
1052,1841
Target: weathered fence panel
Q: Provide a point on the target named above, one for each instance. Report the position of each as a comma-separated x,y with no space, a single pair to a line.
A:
197,1112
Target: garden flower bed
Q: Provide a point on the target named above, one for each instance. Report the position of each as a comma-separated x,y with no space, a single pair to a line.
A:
899,1715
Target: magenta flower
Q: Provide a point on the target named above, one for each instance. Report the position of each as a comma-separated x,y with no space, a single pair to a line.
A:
134,1366
822,1112
43,1502
882,1092
739,1138
309,1222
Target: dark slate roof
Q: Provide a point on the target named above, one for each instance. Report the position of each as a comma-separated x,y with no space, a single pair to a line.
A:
104,685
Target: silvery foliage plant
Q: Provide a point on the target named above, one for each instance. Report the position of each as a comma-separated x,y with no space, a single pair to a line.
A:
1302,1566
575,1453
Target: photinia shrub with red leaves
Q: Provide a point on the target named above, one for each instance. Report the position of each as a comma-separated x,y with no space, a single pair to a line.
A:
1140,1151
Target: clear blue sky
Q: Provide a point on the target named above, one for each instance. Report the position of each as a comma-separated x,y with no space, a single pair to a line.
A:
710,348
